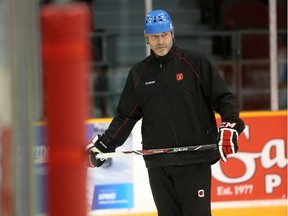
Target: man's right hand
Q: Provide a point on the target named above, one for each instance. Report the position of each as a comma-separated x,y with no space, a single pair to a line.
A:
98,144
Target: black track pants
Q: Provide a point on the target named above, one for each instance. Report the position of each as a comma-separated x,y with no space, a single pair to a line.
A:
182,190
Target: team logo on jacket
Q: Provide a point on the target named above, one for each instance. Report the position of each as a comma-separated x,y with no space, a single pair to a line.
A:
179,76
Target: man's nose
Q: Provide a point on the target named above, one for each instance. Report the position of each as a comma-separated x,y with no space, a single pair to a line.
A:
160,40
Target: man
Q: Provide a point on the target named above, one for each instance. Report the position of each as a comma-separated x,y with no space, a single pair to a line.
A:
175,92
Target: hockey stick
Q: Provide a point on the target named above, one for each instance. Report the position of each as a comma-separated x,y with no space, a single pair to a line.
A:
157,151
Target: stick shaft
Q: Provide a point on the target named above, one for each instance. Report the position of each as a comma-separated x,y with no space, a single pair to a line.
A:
158,151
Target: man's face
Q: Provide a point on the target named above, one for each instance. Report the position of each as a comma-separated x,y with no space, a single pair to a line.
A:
160,43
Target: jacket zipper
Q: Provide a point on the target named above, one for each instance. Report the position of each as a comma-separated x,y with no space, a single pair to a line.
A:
173,127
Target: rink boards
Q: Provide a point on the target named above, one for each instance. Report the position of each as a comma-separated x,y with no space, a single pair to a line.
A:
252,182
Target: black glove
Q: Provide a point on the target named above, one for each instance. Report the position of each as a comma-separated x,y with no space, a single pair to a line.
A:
98,144
227,139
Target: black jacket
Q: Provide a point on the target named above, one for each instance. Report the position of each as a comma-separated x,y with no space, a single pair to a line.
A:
176,96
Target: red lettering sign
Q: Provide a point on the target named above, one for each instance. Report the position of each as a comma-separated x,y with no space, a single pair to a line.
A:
259,170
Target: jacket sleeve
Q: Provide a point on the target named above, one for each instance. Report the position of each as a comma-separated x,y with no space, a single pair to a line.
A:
128,113
220,97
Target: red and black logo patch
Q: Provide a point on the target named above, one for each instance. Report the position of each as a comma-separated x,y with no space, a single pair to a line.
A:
179,76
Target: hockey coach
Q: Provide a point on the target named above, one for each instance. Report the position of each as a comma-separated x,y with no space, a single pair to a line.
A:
175,92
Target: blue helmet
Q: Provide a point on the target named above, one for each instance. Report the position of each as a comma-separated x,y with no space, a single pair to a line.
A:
158,21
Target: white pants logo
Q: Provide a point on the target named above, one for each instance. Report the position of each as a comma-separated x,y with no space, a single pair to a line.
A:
201,193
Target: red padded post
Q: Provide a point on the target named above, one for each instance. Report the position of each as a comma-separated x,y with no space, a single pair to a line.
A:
6,195
65,56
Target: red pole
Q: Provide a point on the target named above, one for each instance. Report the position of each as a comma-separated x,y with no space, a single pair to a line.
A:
6,166
65,64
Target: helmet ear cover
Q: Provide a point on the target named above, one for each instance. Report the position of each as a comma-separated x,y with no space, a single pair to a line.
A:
146,38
